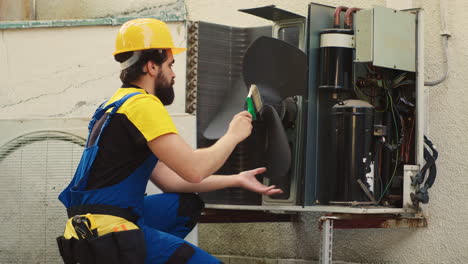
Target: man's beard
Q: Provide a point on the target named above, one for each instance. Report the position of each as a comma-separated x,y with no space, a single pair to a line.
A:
164,90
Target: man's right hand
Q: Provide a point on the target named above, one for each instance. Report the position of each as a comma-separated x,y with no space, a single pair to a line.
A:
240,126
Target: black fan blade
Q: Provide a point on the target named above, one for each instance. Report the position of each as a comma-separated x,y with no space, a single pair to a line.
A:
278,152
277,68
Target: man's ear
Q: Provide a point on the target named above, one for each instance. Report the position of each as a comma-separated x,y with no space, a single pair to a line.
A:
151,68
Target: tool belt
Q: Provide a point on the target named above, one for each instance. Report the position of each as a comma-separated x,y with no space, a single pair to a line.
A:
95,238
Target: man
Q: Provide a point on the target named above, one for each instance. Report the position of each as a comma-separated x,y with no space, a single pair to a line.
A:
133,139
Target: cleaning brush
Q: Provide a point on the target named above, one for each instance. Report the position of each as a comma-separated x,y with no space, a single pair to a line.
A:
254,101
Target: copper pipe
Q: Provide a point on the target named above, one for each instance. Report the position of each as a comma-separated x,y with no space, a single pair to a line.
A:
338,10
349,17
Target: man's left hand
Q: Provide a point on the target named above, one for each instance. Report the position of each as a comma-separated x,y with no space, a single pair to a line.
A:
247,180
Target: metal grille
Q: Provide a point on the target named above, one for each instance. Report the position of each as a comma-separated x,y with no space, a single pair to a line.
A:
34,169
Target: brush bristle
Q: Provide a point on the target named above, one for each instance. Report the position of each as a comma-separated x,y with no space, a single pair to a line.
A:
254,93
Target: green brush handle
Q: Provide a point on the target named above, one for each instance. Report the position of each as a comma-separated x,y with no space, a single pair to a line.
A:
251,108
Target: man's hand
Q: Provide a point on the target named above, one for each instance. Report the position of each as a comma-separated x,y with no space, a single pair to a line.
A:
240,126
248,181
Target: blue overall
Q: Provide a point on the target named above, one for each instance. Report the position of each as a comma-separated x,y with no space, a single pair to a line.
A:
161,217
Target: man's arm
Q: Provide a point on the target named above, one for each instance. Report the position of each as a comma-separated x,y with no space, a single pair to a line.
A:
168,181
195,165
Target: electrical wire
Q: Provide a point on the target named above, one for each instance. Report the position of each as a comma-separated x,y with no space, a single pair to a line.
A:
397,151
391,179
403,84
399,78
409,141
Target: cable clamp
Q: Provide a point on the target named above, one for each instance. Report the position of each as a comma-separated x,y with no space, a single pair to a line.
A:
445,33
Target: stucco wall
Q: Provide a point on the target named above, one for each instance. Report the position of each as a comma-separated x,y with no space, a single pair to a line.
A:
444,241
72,9
62,72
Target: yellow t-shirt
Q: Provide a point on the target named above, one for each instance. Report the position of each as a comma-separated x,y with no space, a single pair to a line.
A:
146,112
123,143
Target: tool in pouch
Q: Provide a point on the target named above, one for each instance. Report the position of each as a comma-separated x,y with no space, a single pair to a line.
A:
82,226
254,101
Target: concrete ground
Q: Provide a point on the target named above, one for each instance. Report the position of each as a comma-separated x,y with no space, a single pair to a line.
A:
226,259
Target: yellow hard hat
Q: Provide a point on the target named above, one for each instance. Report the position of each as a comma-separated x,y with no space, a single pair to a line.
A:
144,33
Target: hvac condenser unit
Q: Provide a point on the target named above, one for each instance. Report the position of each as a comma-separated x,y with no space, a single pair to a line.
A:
37,159
342,125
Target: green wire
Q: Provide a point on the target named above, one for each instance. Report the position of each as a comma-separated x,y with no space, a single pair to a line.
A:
391,179
397,153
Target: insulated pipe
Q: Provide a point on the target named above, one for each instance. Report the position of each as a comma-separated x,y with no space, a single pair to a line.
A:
338,10
349,17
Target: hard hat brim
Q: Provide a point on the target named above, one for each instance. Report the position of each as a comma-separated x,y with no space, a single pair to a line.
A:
174,50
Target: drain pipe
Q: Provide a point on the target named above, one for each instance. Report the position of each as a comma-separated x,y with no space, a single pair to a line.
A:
445,36
34,10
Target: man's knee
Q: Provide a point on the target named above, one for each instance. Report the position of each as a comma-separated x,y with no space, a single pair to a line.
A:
191,206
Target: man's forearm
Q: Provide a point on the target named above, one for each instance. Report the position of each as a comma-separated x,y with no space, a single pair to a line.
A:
192,165
209,160
168,181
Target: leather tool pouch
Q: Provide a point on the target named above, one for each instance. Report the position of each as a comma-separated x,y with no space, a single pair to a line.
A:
124,247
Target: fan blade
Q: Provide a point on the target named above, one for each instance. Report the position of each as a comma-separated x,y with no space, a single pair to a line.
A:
277,68
278,152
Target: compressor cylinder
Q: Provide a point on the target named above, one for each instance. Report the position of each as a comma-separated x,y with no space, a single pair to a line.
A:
352,131
336,60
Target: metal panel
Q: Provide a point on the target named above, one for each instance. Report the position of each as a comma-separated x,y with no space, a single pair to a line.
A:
364,36
317,208
282,19
393,38
320,17
299,23
271,13
422,97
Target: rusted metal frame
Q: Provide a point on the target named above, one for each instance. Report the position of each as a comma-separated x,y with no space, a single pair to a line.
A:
353,221
244,216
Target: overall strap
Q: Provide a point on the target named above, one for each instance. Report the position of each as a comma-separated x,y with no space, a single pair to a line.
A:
96,116
102,110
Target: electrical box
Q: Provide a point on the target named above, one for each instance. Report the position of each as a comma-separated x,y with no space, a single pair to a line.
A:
386,38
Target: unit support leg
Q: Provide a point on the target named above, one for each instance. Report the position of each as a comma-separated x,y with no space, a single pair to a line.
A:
327,241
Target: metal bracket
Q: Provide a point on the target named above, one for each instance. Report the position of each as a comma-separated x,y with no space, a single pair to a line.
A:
352,221
409,172
326,247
